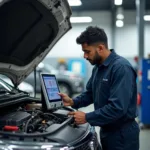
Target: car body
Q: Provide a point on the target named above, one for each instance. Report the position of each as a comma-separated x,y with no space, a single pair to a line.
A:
29,30
69,82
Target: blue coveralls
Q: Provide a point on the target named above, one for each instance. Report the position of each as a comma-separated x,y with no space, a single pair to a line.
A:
112,88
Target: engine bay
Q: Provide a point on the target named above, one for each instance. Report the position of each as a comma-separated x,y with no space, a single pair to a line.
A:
31,120
28,119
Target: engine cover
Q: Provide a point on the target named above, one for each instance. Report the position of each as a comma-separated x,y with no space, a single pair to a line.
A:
15,118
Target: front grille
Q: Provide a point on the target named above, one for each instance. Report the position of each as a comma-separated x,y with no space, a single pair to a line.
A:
84,146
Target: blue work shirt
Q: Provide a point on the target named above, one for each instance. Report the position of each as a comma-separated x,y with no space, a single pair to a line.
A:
112,89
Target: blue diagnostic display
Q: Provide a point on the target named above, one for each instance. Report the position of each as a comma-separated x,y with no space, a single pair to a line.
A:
51,88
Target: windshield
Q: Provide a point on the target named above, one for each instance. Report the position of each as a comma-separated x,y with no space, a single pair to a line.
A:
7,89
6,84
3,86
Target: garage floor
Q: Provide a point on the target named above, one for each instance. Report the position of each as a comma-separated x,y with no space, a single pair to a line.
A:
144,134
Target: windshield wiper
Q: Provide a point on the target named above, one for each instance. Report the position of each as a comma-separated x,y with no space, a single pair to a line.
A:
7,92
4,91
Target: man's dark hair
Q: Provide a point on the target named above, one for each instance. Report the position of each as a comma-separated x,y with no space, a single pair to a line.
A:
92,35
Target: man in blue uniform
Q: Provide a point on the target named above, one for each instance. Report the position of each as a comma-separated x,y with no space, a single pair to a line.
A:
112,89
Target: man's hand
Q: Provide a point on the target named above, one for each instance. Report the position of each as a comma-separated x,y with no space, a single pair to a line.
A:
67,101
79,117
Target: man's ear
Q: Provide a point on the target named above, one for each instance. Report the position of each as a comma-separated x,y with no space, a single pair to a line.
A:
100,48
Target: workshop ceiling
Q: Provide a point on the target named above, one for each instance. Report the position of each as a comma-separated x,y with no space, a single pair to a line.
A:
92,5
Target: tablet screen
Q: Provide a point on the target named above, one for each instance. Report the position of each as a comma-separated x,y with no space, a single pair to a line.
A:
51,88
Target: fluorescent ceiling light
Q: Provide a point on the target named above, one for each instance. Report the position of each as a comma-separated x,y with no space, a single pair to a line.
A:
120,16
147,17
119,23
74,2
118,2
119,13
80,19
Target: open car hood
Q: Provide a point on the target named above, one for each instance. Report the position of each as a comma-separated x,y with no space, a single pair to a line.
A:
29,29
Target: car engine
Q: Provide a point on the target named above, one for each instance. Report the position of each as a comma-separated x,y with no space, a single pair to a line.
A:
30,121
24,119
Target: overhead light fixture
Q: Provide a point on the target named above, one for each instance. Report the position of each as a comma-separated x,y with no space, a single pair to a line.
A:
74,2
118,2
120,16
119,23
147,17
119,13
80,19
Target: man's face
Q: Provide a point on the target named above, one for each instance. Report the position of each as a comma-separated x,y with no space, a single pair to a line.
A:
91,54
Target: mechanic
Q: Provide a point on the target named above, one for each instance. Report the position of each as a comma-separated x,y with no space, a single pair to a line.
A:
112,89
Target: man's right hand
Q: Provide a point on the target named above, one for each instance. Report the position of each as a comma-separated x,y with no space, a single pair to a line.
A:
67,101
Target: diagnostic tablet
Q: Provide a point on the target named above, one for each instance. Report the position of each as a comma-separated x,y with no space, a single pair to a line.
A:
50,91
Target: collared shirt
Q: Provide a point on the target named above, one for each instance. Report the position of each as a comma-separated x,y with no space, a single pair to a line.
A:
112,89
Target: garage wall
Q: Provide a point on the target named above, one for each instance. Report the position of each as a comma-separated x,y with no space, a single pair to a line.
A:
126,37
68,43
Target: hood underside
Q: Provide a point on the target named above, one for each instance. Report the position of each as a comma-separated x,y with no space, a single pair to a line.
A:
29,29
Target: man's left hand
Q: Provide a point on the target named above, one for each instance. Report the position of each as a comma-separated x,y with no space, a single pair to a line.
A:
79,117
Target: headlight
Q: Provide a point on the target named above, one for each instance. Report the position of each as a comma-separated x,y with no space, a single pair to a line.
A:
92,145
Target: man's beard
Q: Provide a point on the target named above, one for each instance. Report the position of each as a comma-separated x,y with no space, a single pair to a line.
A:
96,59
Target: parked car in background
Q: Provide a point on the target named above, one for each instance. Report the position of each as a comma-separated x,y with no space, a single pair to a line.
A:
69,82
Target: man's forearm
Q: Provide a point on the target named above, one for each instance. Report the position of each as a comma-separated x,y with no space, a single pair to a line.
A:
83,100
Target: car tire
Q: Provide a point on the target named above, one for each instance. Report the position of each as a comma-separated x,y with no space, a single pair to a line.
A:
65,88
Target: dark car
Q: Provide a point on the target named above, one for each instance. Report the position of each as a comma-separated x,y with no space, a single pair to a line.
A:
29,29
69,82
